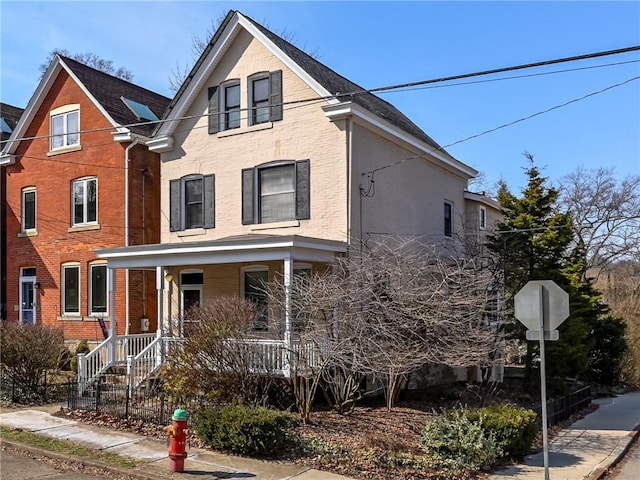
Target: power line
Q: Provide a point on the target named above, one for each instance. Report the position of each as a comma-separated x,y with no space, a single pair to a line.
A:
373,90
505,125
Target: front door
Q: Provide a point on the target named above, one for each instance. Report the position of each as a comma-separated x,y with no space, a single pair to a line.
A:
28,295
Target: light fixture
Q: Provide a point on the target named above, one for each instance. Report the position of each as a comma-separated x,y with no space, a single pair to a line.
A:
168,277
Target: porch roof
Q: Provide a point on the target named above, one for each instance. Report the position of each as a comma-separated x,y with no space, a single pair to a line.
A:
242,248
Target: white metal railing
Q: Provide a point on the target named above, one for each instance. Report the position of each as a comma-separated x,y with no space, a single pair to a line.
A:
113,351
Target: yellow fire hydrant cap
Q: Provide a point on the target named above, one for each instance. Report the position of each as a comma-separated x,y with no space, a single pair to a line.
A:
180,415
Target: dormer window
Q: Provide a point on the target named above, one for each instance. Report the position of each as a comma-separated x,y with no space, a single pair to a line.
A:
65,126
259,99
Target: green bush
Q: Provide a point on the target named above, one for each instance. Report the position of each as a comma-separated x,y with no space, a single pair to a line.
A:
455,442
83,347
513,428
246,429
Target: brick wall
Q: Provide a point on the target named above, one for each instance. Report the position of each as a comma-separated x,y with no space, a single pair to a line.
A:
55,241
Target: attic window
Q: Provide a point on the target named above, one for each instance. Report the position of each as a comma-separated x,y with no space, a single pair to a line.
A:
140,110
5,126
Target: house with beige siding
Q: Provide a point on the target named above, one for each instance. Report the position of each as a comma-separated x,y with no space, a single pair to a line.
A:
274,164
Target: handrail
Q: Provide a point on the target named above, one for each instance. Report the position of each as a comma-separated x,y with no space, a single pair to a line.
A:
112,351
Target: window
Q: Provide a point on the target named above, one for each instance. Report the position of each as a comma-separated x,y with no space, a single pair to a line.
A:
4,126
264,92
448,219
28,209
65,129
192,202
71,289
140,110
254,282
482,218
274,192
191,282
231,114
301,277
85,201
98,289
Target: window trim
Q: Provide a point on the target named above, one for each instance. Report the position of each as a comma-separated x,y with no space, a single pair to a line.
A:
253,110
224,113
183,201
64,111
92,265
448,222
23,228
85,181
199,287
63,290
482,218
253,269
251,192
177,204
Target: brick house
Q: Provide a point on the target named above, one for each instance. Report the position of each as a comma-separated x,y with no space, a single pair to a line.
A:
273,164
79,177
9,117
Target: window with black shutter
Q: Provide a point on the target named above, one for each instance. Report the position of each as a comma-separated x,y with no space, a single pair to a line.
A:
275,192
192,202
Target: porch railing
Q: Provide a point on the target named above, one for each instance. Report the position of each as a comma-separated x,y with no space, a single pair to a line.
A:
111,352
143,356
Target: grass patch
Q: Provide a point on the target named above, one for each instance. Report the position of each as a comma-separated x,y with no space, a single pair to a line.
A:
65,447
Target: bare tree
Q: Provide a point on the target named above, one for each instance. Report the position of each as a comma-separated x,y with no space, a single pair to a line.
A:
386,310
606,213
200,43
221,357
90,59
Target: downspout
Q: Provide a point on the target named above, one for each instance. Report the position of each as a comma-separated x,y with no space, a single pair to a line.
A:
126,227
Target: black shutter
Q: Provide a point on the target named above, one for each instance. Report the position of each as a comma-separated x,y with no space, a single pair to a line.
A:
275,86
247,196
175,205
209,201
303,190
214,121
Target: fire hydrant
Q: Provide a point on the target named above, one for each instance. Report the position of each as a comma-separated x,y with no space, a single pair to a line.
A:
178,432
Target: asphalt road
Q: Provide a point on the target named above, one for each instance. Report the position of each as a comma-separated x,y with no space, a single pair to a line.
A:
15,465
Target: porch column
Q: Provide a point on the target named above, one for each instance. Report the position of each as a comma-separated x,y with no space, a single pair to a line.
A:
160,289
111,282
288,276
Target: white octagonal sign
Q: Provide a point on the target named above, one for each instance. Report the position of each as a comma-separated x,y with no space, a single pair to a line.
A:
541,298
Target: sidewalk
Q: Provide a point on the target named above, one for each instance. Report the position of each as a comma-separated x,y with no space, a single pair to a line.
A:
588,447
583,451
200,464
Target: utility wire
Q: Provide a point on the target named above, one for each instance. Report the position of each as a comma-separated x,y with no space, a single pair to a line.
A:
374,90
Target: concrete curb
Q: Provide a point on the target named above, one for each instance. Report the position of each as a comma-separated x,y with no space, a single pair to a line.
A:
81,460
601,472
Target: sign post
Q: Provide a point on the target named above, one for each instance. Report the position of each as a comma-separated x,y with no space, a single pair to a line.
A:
542,306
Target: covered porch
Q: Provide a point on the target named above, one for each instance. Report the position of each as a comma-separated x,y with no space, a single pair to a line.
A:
190,273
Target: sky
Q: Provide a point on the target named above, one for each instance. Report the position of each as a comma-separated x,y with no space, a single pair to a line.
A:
377,44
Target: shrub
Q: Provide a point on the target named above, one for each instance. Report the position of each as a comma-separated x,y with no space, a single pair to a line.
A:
246,429
513,428
27,352
83,347
455,442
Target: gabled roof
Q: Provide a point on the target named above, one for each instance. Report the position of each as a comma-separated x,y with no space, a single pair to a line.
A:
324,81
338,85
103,89
108,90
11,115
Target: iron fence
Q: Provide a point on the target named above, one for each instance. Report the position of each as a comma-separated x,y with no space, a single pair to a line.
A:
561,408
28,390
112,398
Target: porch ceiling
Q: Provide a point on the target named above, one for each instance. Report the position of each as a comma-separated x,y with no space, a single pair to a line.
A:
245,248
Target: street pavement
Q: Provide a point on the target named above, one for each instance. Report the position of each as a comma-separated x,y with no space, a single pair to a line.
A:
585,450
20,467
630,468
